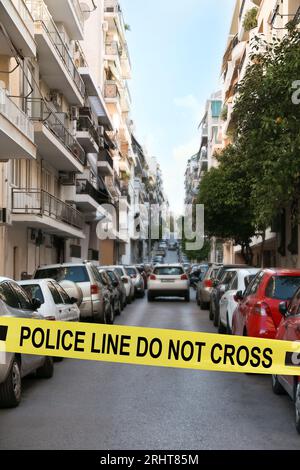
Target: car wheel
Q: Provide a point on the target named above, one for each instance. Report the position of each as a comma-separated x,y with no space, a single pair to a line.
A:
46,371
211,313
216,318
11,389
118,310
203,305
229,331
222,329
187,297
276,386
297,407
150,297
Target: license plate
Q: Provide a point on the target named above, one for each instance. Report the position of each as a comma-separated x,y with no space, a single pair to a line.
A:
167,280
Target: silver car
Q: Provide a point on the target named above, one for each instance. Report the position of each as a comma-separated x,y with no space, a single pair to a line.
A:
14,302
205,285
137,279
127,281
168,280
94,306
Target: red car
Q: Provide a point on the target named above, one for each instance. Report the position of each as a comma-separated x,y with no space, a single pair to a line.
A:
257,314
289,330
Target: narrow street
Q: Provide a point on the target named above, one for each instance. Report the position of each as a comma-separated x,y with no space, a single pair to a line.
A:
89,405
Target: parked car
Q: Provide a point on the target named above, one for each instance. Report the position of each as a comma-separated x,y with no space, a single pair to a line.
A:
14,302
257,314
138,281
289,330
197,273
94,306
112,294
157,260
118,284
220,285
55,302
187,266
126,279
168,280
205,285
228,302
173,245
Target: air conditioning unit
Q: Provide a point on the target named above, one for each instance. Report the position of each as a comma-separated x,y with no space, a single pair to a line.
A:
66,178
105,26
74,113
56,98
5,216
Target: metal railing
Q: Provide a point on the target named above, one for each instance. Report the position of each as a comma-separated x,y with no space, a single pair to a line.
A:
41,203
79,12
83,186
24,13
85,124
104,156
41,14
15,115
39,111
112,48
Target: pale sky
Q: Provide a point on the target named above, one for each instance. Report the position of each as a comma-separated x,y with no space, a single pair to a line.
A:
176,49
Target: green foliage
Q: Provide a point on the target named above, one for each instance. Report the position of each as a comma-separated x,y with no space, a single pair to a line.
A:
200,255
224,113
250,19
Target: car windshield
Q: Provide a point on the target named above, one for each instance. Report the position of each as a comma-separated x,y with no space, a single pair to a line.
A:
169,271
70,273
282,287
34,291
120,271
112,275
131,271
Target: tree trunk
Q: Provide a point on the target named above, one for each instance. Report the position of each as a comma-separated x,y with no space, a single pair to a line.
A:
262,248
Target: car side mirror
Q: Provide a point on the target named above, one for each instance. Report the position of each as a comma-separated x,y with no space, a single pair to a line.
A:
283,308
239,296
222,288
36,304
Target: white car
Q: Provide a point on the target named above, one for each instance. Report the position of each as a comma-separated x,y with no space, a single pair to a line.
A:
127,281
228,303
55,302
168,280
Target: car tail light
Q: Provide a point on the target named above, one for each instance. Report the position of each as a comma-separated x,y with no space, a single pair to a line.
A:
208,283
153,277
50,318
184,277
94,289
263,309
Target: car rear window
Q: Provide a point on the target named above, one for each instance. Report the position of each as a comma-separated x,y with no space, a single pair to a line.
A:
168,271
131,271
120,271
34,291
70,273
282,287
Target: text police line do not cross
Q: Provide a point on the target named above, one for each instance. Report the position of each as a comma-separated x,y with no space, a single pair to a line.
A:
151,347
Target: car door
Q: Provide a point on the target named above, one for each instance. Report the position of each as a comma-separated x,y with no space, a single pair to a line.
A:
252,298
71,310
30,362
61,313
227,297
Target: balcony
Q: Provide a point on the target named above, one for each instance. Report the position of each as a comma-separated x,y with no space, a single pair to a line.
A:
16,130
125,167
114,16
113,185
55,62
105,163
70,14
55,142
41,210
87,134
19,25
111,92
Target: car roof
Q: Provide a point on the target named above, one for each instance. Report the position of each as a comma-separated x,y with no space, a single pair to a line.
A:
35,281
171,265
2,279
63,265
282,271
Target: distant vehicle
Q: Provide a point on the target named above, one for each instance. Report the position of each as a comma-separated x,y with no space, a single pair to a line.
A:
289,330
168,280
173,245
187,267
142,270
228,302
14,302
94,306
158,260
55,302
126,279
112,293
137,279
205,286
258,312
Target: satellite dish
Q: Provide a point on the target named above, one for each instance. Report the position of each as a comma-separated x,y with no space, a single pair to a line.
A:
85,10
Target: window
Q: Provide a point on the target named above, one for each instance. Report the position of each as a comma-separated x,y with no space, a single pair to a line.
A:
294,307
169,271
216,107
227,277
248,280
62,293
234,283
131,271
120,271
55,294
23,298
253,286
8,296
16,173
34,291
282,287
112,276
75,251
71,273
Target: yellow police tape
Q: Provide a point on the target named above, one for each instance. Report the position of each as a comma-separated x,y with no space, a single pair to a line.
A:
149,347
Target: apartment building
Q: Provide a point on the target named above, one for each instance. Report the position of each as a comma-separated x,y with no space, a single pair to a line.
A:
270,19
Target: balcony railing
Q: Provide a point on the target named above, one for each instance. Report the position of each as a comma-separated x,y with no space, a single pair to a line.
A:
111,89
113,48
41,203
41,14
15,115
105,157
41,112
24,13
85,124
79,12
83,186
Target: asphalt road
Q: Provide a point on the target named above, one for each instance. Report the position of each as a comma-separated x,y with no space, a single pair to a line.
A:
89,405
